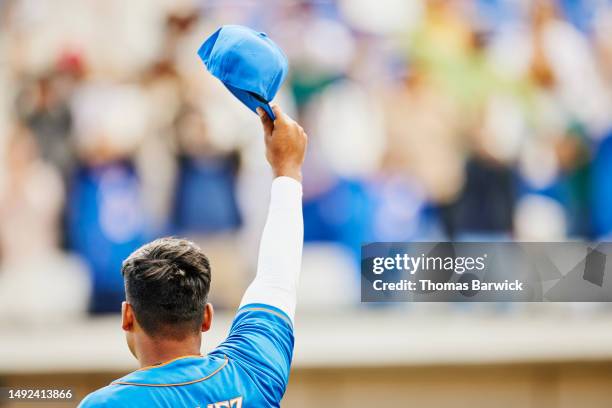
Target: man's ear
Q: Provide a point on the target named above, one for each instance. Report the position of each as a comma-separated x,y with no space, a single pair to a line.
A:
208,316
127,317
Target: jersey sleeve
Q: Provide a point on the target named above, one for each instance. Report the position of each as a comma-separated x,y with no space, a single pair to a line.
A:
261,342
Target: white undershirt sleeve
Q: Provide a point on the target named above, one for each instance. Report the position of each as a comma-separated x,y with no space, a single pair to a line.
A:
280,250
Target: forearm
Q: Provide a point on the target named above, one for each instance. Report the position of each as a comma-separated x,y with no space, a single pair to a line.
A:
280,250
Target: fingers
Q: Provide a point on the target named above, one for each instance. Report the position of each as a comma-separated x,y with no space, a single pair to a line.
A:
282,119
278,112
266,122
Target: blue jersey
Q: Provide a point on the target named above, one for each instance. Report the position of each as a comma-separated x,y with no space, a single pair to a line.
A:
249,369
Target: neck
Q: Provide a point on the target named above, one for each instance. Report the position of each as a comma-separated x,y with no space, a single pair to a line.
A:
153,351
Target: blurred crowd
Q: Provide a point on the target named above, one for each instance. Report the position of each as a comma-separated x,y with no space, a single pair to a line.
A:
428,120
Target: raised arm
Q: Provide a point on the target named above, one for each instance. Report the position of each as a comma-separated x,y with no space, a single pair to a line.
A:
280,250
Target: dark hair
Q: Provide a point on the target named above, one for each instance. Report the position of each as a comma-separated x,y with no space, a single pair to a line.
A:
167,283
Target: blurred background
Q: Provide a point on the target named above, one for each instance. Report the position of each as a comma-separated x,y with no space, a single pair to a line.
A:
486,120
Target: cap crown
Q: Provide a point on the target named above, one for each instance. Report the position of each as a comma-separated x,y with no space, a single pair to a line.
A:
246,60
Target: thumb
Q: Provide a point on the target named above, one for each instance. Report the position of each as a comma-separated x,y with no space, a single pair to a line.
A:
266,122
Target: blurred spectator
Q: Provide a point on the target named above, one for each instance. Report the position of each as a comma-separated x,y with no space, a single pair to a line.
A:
205,197
106,217
424,137
601,188
38,283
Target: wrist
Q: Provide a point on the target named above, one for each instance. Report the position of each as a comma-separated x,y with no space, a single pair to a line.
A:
293,172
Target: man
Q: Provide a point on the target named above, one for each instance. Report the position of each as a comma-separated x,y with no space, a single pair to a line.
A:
165,312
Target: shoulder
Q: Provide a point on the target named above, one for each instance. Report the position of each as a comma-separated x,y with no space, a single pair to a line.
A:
260,342
255,324
263,313
259,334
110,396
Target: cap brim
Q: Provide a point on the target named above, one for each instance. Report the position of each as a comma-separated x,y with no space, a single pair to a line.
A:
269,111
251,100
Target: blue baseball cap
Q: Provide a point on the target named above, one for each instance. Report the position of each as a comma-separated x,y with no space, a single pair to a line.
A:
247,62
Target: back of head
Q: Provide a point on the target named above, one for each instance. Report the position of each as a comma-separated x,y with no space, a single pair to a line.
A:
167,283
